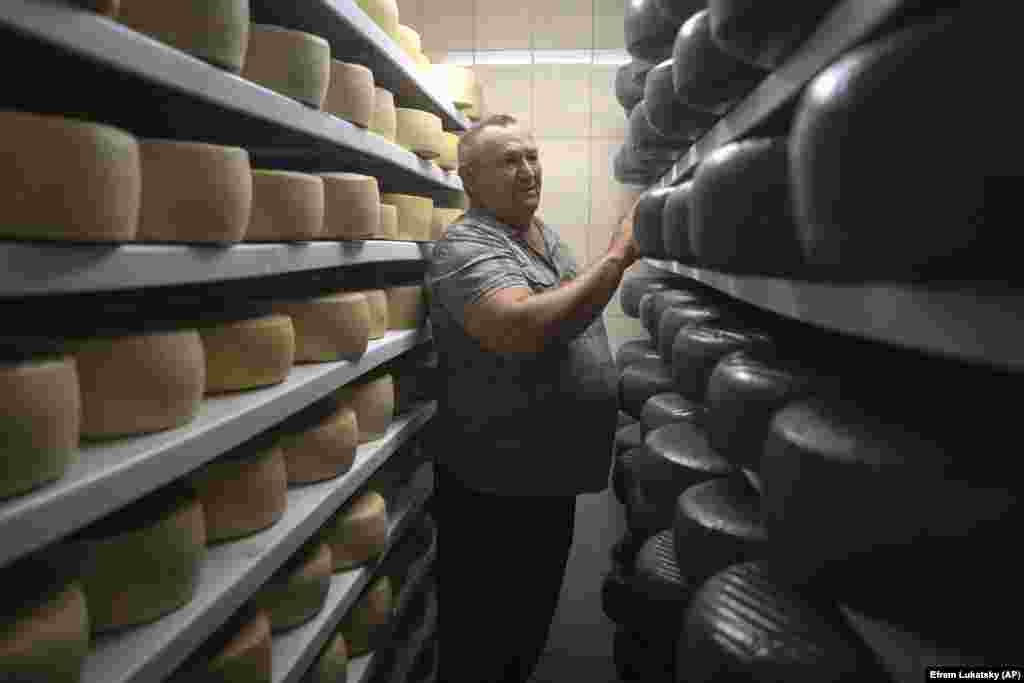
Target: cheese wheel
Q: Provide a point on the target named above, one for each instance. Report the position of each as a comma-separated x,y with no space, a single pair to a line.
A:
415,214
678,316
698,348
94,199
630,80
676,219
286,206
449,159
325,450
351,206
441,220
760,35
388,222
248,354
648,32
194,192
385,121
364,624
666,114
634,288
216,31
359,532
653,306
329,328
377,299
332,664
374,403
297,591
663,409
641,380
139,383
243,491
407,307
633,351
647,219
419,132
40,422
293,63
46,641
408,39
457,81
246,657
383,12
143,561
350,95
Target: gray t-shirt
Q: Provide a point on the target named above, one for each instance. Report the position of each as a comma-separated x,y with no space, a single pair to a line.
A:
517,424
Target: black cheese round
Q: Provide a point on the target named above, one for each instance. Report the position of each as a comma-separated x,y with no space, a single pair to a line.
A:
658,575
763,33
649,33
649,148
647,219
629,83
640,381
698,348
633,288
666,114
633,351
631,168
679,457
622,475
630,437
652,308
663,409
676,219
625,420
681,315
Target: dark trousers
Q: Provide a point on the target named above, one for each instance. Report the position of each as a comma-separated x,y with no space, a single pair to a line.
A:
501,562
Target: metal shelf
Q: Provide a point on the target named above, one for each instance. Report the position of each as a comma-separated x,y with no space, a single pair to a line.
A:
110,474
233,572
355,37
36,268
154,90
981,327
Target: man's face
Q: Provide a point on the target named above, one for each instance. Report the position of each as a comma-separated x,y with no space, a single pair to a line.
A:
507,174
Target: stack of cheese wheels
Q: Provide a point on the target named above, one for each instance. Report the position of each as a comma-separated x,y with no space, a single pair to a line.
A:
293,63
351,95
419,132
365,622
248,354
358,532
351,206
406,307
243,491
415,215
136,384
388,222
449,160
40,421
286,207
94,199
319,442
383,12
194,192
217,31
408,39
297,591
332,663
142,562
329,328
373,399
377,299
240,652
384,122
442,219
457,81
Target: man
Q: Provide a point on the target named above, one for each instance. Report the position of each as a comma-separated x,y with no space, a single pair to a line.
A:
528,406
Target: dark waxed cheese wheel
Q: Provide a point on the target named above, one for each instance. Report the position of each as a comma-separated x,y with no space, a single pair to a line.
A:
630,437
633,289
676,219
647,222
680,10
631,168
659,578
763,33
622,474
666,114
697,350
705,77
625,420
633,351
718,523
649,33
652,308
675,457
629,83
678,316
745,626
640,381
644,516
663,409
742,214
647,144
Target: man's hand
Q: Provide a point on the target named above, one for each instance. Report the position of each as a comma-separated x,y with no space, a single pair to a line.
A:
623,245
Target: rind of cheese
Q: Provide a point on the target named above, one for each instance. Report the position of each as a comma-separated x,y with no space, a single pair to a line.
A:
216,31
293,63
419,132
364,623
406,307
94,199
46,642
385,122
359,532
296,593
324,451
245,658
374,403
449,159
441,220
415,214
329,328
139,383
408,39
388,222
243,491
352,206
248,354
194,192
377,299
286,206
332,664
457,81
383,12
351,95
40,422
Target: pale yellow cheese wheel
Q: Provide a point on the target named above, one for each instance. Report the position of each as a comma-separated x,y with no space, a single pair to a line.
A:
442,219
378,302
384,121
68,180
449,160
137,384
358,532
419,132
246,657
296,593
329,328
457,81
40,422
46,642
365,622
407,307
194,192
216,31
143,561
374,403
323,451
292,63
286,207
351,202
408,39
415,214
243,491
351,95
248,354
332,664
388,222
383,12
